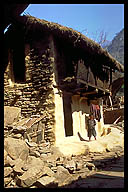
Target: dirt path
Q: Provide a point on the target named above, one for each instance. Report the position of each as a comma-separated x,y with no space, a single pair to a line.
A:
111,176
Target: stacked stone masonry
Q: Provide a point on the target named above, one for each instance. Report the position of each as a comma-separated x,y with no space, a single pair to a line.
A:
35,96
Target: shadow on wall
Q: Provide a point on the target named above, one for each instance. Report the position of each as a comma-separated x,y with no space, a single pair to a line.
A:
80,104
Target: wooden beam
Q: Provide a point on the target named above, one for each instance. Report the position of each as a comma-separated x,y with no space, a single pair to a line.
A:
90,93
89,84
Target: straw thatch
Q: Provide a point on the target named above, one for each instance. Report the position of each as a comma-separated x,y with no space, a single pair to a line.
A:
89,48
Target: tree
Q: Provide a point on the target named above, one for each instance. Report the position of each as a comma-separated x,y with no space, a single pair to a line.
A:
98,36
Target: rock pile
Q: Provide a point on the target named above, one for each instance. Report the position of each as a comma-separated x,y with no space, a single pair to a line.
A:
28,164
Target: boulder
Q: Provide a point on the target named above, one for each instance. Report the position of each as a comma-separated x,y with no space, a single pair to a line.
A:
11,115
17,136
19,163
32,161
10,161
71,165
5,157
51,158
30,176
62,172
44,157
7,180
7,171
33,174
48,171
79,165
55,150
31,144
16,148
63,176
34,153
90,165
46,181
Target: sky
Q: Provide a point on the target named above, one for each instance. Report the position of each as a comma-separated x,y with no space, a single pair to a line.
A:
90,19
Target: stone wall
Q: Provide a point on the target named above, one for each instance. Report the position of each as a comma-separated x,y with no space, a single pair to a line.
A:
35,96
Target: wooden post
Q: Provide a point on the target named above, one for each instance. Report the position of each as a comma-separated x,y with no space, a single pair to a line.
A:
110,75
110,101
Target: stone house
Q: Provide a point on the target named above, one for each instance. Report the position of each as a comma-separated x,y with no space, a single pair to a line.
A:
57,73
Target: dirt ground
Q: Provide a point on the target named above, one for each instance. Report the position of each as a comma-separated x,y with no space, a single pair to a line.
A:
112,176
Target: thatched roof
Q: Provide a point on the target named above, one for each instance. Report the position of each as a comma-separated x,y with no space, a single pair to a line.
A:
77,40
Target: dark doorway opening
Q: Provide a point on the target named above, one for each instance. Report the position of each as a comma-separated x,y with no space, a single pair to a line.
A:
68,122
18,51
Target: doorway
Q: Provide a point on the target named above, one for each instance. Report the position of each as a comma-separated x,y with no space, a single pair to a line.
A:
68,122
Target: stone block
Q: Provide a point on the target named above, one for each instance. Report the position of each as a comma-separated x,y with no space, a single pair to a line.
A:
7,180
34,171
19,163
43,156
61,174
90,165
5,156
30,176
79,165
7,171
34,153
9,161
32,161
11,115
16,148
17,136
46,181
71,165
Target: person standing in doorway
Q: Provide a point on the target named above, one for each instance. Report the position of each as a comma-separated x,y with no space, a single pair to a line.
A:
91,127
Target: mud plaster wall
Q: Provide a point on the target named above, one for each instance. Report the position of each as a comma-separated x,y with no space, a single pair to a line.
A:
34,96
80,113
59,117
79,107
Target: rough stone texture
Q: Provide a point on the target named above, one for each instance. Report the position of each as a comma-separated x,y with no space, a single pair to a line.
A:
35,96
10,161
33,174
90,165
16,148
19,163
30,176
79,165
7,171
71,166
34,153
54,168
7,180
11,115
33,161
5,157
46,181
62,175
